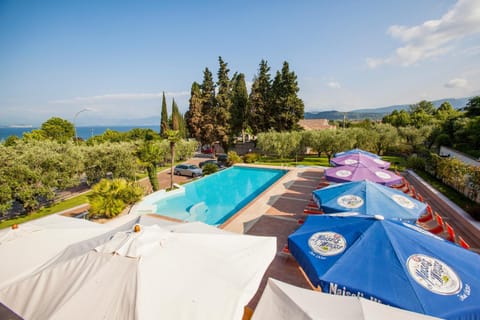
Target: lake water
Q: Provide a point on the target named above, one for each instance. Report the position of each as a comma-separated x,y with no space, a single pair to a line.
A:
82,132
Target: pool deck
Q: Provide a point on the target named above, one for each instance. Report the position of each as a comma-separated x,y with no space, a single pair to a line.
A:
276,213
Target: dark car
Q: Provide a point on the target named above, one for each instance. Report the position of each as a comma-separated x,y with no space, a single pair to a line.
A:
222,159
187,170
215,162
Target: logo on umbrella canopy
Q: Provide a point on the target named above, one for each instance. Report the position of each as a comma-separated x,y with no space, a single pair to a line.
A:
351,161
433,274
350,201
382,175
343,173
327,243
403,201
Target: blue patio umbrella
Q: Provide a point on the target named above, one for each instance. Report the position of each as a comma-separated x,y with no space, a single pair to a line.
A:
369,198
354,151
390,262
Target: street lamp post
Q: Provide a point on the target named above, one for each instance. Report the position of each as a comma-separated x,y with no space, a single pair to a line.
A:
74,119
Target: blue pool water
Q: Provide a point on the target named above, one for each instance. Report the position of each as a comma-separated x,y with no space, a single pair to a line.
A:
215,198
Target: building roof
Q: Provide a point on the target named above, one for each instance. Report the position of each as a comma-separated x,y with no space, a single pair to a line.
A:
315,124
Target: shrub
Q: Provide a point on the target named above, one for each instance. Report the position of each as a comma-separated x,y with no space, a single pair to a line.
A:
250,157
209,168
233,158
415,162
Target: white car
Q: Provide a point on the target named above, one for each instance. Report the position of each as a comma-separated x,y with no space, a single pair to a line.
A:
187,170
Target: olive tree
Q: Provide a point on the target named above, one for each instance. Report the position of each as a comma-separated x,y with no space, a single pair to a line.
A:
282,144
117,159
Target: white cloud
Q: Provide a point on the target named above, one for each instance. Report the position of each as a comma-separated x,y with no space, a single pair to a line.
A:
119,97
334,85
457,83
434,37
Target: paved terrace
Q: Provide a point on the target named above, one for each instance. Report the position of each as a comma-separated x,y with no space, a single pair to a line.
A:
276,212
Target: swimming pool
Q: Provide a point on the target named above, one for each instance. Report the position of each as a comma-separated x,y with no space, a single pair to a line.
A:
215,198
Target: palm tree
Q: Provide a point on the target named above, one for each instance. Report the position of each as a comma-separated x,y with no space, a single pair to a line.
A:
173,136
149,154
110,197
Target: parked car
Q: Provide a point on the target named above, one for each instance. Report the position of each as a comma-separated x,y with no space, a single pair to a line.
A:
187,170
222,159
215,162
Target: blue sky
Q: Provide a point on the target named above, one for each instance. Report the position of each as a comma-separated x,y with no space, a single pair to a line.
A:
117,57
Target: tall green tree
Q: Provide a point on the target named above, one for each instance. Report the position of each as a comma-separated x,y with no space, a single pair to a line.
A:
239,111
259,99
223,106
164,117
208,108
473,107
55,128
194,117
445,111
285,108
384,136
398,118
178,122
422,113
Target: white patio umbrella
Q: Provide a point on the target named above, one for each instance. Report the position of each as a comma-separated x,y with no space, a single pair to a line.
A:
157,273
282,301
25,249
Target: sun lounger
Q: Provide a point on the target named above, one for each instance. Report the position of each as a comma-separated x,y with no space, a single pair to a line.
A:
463,243
451,233
438,227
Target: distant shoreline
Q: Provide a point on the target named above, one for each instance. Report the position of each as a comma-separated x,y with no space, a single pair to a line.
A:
84,132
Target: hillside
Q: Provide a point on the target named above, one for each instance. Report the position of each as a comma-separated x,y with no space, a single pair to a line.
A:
380,112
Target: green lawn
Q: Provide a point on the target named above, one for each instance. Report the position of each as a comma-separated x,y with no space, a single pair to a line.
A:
397,162
66,204
306,161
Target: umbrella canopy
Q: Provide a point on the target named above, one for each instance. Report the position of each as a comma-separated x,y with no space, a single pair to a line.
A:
359,158
157,273
369,198
361,172
282,301
355,151
34,243
389,262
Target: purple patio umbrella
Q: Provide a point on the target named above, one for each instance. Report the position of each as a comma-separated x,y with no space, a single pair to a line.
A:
361,172
356,150
359,158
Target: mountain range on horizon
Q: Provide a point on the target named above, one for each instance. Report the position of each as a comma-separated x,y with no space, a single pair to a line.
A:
357,114
380,112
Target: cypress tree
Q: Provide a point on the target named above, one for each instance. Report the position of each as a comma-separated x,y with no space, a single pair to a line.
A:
223,105
178,122
193,117
286,107
259,99
208,108
238,109
164,118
